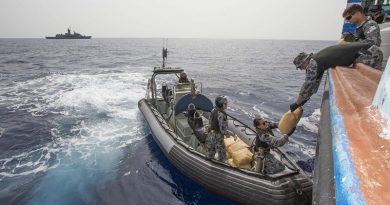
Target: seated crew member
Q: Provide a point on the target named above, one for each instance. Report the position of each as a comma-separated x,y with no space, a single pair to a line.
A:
377,14
183,78
196,123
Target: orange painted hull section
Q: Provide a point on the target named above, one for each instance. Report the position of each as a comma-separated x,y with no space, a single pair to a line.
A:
353,91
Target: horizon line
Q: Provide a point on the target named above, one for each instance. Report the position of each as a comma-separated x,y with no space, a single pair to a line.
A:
205,38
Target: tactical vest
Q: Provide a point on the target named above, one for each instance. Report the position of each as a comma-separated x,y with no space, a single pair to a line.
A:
337,55
214,124
195,121
259,143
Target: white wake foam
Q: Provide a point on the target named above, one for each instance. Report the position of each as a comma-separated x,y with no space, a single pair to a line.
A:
386,133
96,116
1,131
311,123
258,112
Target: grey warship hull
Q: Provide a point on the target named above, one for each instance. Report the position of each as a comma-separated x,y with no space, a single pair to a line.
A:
69,37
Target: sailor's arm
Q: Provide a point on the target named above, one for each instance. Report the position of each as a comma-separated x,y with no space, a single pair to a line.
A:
311,84
222,123
372,33
273,125
274,141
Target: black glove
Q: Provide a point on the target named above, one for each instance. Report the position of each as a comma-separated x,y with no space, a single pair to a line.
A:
292,131
293,107
273,125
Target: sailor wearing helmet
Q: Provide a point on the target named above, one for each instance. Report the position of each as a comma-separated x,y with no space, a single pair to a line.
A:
218,128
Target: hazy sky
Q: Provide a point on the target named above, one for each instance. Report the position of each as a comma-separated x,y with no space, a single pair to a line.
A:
256,19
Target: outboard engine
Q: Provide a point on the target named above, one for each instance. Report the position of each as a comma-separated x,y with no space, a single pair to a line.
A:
196,123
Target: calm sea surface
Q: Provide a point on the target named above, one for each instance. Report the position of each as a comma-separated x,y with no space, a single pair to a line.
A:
71,131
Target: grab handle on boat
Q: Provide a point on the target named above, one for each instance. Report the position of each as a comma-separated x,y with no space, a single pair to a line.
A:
299,191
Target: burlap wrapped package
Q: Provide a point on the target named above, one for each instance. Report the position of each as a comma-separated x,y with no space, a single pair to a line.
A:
231,162
237,145
228,141
238,153
290,120
242,158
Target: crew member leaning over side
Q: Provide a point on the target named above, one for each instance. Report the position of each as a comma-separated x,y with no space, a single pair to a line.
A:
316,64
367,31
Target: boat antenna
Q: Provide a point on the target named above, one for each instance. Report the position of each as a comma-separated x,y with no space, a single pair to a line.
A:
165,52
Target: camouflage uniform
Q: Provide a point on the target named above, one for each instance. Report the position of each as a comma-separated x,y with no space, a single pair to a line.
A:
271,164
312,81
369,32
214,141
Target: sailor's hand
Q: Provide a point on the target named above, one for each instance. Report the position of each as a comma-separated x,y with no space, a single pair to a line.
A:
293,107
273,125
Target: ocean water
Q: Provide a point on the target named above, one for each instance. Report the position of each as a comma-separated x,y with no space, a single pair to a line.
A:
71,131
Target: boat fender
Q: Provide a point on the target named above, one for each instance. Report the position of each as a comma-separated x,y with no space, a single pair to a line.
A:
290,120
329,57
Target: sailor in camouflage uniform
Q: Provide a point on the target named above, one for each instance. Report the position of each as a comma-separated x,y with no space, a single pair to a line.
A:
264,161
312,82
218,128
367,31
316,64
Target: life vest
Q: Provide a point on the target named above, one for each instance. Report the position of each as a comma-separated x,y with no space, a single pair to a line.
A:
259,144
337,55
195,121
214,124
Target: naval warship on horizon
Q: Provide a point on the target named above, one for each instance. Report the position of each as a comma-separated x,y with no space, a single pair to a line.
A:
69,35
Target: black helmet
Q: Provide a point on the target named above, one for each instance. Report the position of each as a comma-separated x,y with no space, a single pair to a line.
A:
191,108
183,74
220,100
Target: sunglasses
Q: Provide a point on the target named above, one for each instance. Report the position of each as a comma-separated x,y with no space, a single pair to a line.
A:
349,16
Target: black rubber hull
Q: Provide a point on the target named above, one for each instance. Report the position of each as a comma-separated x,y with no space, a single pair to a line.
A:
323,185
235,184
